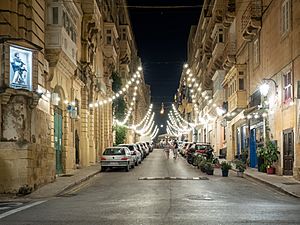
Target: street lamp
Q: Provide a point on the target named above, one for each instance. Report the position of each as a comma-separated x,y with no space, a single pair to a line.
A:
264,89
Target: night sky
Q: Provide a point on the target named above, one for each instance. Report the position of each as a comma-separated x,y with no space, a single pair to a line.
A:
161,36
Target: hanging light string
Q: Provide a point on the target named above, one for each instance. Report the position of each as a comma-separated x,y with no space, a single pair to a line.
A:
177,125
146,126
145,117
155,132
129,112
170,132
150,130
118,94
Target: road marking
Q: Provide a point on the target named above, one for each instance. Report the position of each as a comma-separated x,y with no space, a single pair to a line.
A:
8,213
172,178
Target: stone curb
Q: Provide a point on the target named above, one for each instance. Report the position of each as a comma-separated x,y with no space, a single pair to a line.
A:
75,183
247,175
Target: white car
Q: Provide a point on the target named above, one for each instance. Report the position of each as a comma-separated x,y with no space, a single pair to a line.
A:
137,156
117,157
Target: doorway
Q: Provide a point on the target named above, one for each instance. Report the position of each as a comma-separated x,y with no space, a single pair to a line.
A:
77,159
58,139
288,151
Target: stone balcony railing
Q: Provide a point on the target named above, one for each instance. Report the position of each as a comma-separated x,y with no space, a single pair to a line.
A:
229,55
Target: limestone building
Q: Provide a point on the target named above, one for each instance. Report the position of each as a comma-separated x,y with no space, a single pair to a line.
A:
237,47
57,60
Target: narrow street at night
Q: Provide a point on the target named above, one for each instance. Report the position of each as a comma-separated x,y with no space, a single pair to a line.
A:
149,112
117,197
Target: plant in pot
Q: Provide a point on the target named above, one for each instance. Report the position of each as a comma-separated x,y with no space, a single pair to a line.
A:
209,168
240,166
270,156
225,167
201,165
261,166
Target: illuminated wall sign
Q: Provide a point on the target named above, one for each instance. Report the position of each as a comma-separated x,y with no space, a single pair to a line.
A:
20,68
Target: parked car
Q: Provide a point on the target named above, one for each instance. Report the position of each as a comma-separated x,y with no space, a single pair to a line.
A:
198,148
186,147
137,156
146,150
117,157
141,150
150,146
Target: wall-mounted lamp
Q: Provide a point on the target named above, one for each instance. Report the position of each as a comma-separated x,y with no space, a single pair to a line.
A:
264,88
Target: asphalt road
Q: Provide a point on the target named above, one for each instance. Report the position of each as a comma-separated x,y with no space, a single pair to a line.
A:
117,197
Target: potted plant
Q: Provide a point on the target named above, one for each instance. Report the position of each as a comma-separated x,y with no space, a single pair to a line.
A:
225,167
241,167
209,168
270,156
201,165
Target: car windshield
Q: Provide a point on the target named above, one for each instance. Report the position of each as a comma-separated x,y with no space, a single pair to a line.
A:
114,151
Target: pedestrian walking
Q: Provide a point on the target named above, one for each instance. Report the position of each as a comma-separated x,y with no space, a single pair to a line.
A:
175,149
167,148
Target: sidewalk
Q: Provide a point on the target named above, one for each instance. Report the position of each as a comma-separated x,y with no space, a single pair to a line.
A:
286,184
62,183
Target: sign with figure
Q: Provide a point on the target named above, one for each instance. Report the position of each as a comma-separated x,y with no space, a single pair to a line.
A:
20,68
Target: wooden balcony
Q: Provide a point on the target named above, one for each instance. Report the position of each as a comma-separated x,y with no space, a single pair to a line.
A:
251,20
237,100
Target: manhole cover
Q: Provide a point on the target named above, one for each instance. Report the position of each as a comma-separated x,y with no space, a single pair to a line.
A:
291,183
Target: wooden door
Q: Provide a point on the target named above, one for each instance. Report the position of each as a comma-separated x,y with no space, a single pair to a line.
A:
288,152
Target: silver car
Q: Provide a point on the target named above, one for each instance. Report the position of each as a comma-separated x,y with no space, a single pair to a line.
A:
117,157
137,157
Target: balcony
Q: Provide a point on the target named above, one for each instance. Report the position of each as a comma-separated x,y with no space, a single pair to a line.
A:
229,55
217,11
229,13
125,52
218,91
235,87
205,59
251,20
236,101
57,38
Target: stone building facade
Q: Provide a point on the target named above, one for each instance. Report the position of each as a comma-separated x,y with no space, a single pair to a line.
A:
238,46
57,59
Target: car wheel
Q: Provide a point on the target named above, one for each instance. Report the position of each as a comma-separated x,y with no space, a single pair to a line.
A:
127,168
103,169
132,166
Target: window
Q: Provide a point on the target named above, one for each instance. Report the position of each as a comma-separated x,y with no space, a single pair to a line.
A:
287,89
55,15
285,16
108,37
241,84
124,36
256,52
